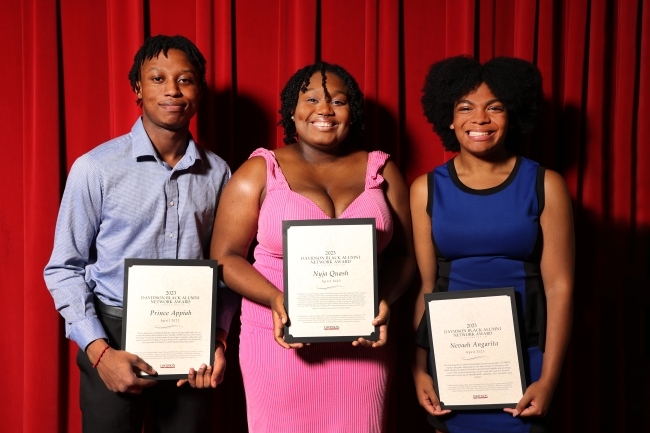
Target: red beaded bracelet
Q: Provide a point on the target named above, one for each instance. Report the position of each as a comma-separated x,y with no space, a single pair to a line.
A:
100,356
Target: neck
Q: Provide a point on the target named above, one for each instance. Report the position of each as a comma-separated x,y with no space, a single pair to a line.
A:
170,145
316,156
493,161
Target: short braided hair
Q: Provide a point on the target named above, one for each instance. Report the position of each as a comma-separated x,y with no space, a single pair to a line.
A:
299,82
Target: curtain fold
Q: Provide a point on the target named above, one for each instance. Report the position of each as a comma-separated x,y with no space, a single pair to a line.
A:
40,195
67,91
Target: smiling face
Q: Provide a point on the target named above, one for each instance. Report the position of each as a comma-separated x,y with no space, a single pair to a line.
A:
480,122
323,120
169,91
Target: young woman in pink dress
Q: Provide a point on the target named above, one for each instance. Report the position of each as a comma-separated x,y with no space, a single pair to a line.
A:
320,174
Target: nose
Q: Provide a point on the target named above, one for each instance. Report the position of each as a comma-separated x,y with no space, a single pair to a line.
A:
324,107
172,88
480,116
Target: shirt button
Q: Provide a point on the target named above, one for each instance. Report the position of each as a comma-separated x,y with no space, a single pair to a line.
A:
171,203
171,235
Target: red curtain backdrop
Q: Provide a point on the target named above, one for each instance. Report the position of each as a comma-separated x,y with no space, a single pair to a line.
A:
65,90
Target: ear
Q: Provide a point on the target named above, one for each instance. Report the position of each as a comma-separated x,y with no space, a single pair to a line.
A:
138,89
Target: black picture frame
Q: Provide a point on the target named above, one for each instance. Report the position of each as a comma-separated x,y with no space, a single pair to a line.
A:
476,294
129,264
286,226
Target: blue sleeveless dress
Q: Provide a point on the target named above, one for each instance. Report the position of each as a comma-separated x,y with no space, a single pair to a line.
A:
485,239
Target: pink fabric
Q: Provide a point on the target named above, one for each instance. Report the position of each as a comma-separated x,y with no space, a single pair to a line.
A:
327,387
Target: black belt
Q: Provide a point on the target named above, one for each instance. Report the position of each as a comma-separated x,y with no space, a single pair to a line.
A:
108,310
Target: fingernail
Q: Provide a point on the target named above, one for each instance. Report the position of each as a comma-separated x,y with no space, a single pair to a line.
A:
209,367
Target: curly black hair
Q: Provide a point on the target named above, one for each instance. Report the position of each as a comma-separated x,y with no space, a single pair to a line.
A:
299,82
517,83
152,47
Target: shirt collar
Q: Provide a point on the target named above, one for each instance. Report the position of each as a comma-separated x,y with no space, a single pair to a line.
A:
142,146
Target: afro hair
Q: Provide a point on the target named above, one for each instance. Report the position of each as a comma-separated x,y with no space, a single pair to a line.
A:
515,82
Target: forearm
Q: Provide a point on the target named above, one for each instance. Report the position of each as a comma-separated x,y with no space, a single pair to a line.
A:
229,302
558,329
241,277
420,359
419,308
395,277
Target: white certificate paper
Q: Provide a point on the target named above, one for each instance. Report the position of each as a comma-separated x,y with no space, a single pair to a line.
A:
330,279
475,346
170,313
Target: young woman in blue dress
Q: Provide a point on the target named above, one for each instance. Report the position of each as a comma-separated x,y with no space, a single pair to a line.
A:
490,218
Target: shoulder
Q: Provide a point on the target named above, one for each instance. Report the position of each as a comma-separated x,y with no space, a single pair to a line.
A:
251,174
213,161
557,200
101,161
420,185
554,185
116,148
95,161
391,172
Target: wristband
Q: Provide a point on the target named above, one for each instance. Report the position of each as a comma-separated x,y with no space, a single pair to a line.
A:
100,356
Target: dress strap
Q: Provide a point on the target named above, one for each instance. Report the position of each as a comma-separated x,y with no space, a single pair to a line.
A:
376,162
274,177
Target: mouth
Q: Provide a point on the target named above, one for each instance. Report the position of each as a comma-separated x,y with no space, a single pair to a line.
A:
323,125
480,135
172,106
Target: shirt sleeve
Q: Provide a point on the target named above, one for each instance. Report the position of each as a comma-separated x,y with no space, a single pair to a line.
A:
65,274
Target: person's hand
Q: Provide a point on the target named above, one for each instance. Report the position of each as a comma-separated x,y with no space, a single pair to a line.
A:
207,376
381,320
119,369
427,396
535,401
280,318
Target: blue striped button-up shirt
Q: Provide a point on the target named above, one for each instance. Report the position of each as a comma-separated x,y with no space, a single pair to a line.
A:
122,201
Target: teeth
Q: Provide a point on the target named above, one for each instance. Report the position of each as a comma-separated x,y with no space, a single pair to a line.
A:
478,134
322,124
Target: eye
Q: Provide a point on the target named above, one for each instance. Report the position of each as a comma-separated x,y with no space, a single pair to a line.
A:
496,108
464,109
311,100
339,102
186,80
156,79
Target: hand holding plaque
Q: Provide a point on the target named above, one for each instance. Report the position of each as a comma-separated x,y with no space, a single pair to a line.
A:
170,314
330,280
477,360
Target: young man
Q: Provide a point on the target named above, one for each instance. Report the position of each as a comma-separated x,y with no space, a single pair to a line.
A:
152,193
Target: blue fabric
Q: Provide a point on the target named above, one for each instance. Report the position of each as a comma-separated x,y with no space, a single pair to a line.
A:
122,201
487,239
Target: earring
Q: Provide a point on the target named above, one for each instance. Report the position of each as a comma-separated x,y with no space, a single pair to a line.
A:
291,117
451,126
